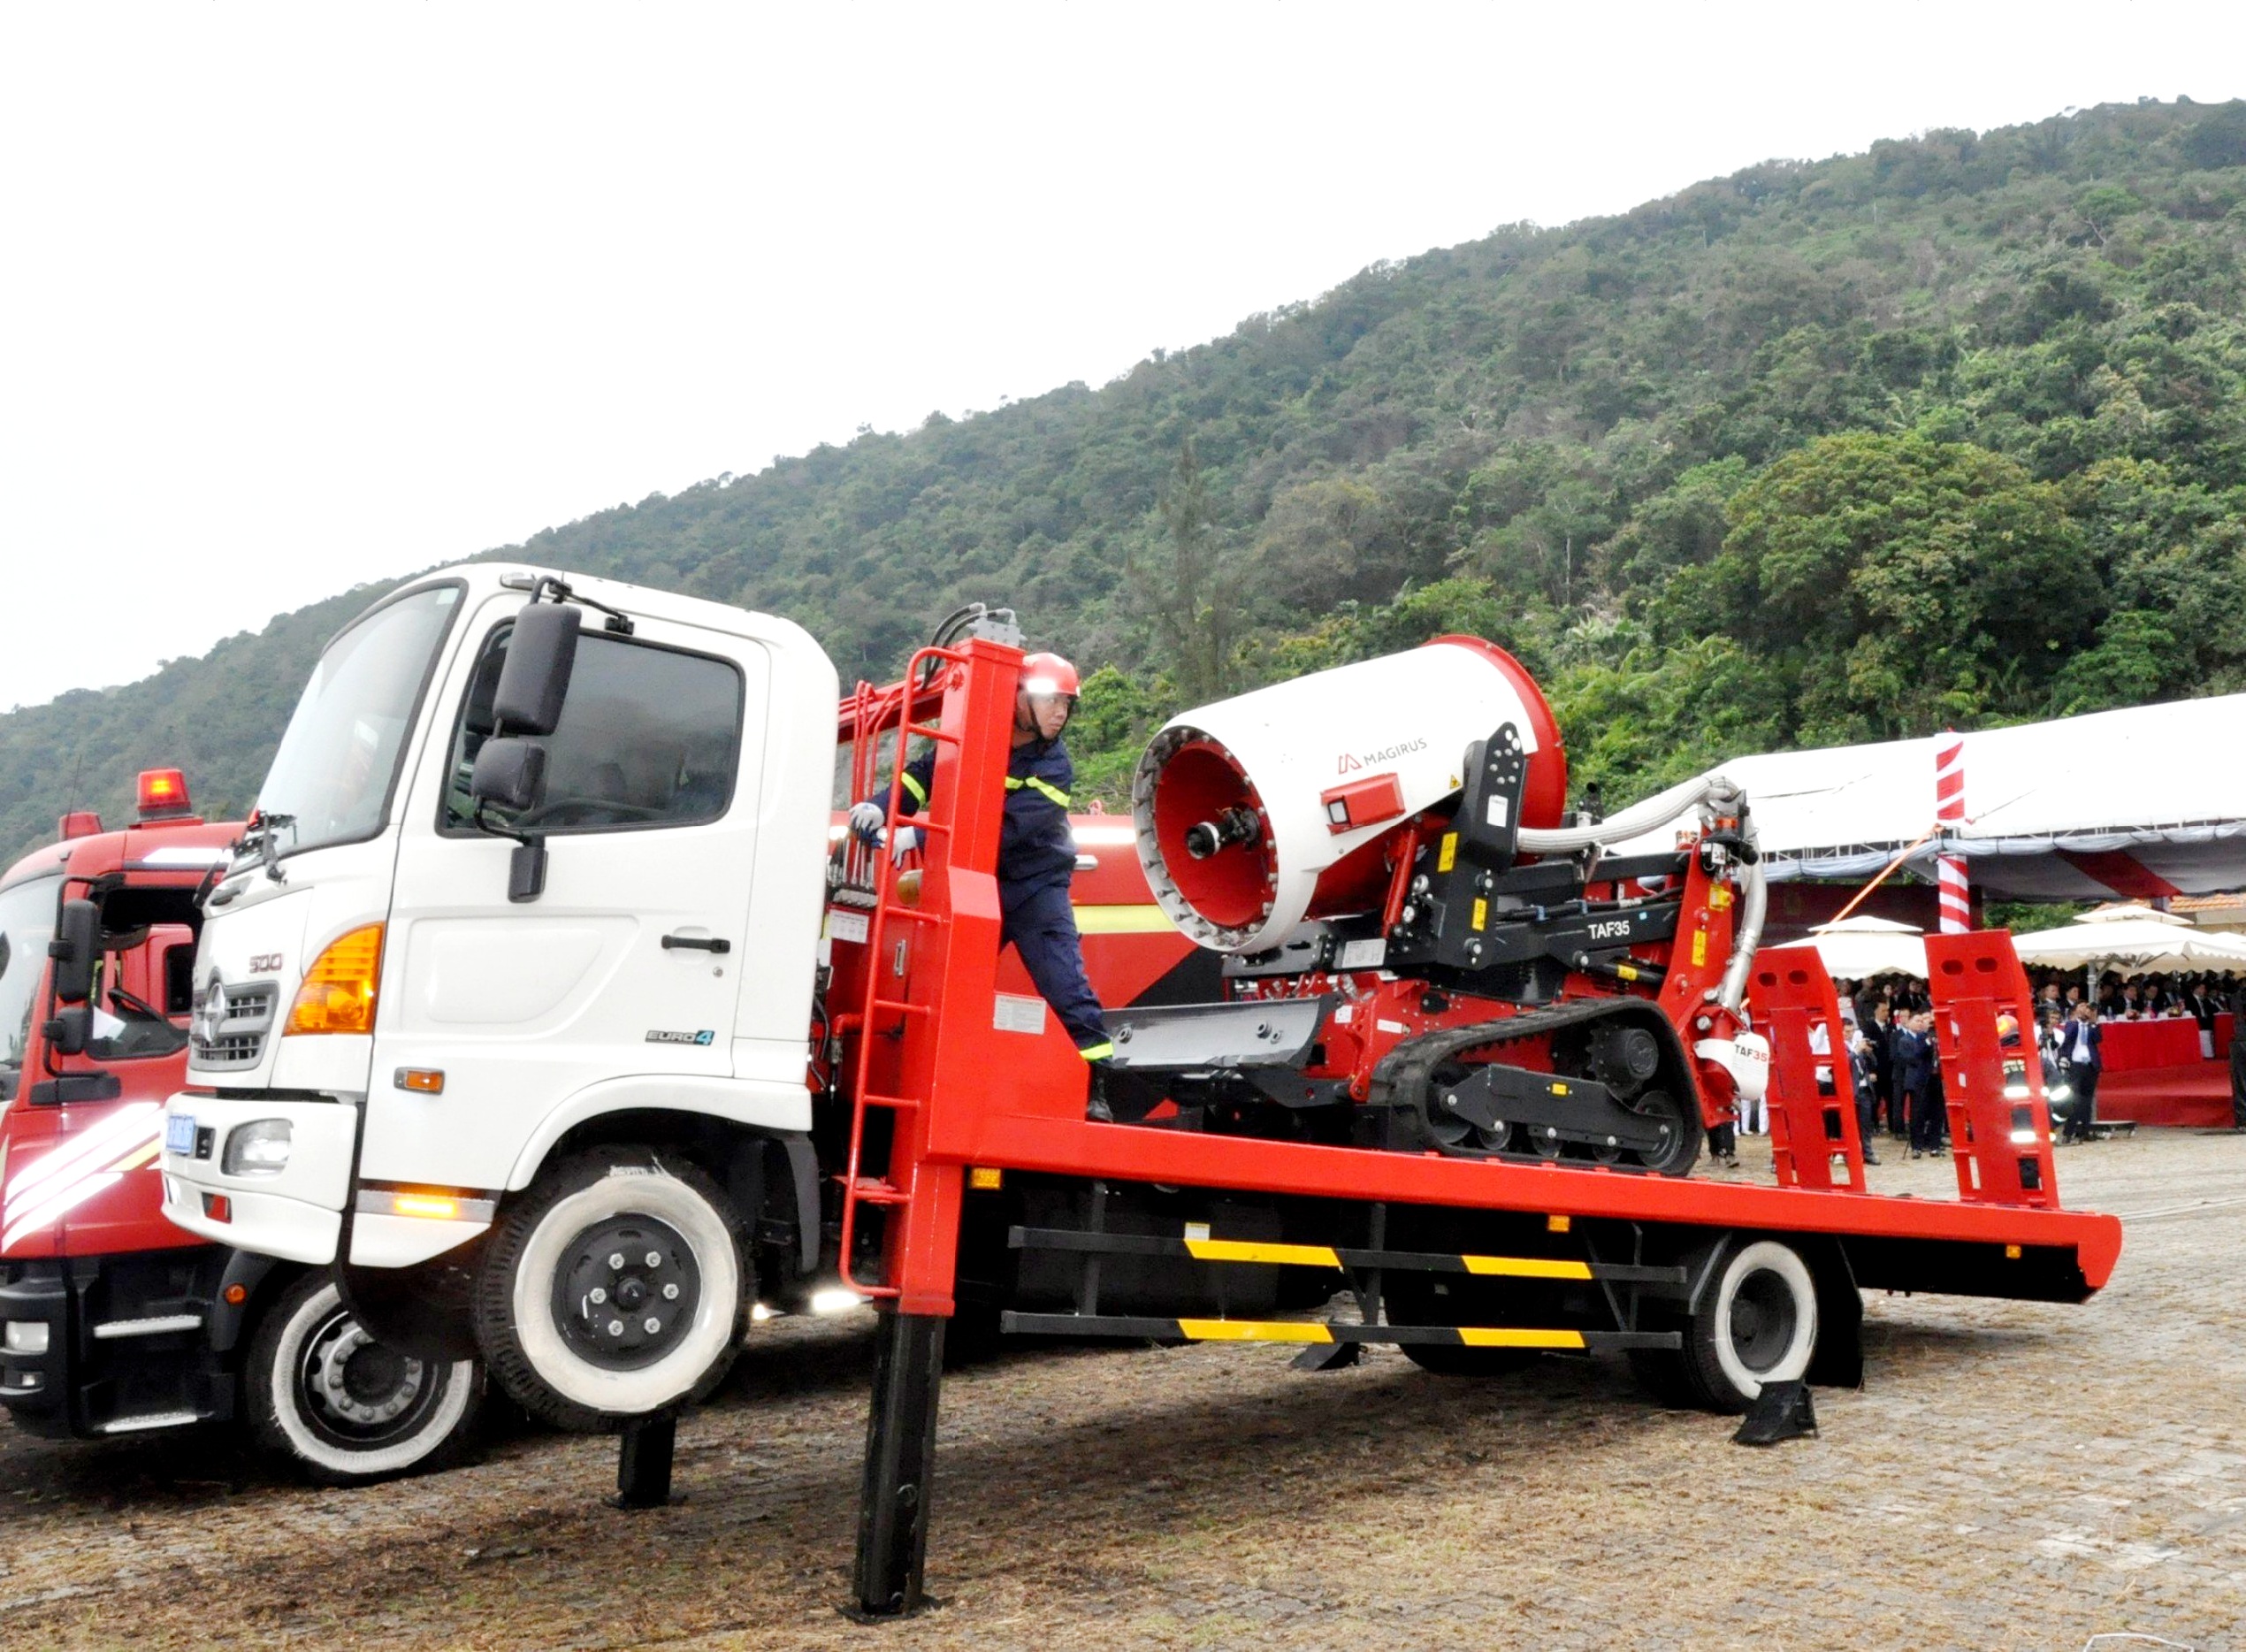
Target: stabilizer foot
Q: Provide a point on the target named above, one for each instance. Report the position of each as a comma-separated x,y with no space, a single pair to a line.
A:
900,1462
644,1452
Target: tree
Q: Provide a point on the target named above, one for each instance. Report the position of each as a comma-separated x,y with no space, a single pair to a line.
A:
1192,590
1899,583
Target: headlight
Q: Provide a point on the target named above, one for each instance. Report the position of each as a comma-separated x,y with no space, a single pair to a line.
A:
25,1336
258,1149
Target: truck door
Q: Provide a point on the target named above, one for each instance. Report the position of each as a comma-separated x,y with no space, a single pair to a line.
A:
626,967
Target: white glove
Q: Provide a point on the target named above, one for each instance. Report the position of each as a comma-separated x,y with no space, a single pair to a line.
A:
902,843
865,820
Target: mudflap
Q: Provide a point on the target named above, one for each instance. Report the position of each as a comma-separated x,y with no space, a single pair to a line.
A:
1839,1362
420,1310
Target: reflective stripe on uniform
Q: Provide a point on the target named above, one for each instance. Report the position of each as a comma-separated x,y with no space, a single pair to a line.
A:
920,792
1014,783
1097,1052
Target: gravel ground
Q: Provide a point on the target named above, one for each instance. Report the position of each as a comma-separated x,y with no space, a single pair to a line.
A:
2011,1475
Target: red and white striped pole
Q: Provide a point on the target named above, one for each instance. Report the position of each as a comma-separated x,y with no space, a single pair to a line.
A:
1948,815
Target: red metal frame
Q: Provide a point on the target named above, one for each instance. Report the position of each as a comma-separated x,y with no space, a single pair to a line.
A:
945,1073
1812,1096
2000,1132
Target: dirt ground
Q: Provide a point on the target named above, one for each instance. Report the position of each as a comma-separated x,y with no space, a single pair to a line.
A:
2009,1476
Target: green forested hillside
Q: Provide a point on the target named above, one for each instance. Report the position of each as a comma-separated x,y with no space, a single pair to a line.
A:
1952,432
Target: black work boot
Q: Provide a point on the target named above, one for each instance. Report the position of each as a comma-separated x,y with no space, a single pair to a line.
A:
1096,1108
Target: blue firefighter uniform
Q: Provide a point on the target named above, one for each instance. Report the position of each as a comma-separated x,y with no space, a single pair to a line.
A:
1036,860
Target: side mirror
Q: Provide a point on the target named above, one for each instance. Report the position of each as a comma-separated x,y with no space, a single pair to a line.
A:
71,1030
540,654
77,939
509,773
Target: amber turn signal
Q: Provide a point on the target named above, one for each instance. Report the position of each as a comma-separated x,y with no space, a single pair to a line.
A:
338,993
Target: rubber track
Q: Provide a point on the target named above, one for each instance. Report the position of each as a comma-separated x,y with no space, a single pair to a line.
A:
1404,1081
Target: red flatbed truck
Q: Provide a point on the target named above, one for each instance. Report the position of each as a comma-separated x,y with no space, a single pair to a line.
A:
113,1321
970,1163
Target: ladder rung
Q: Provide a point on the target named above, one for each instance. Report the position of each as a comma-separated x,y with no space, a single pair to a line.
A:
868,1191
900,1007
930,731
902,1103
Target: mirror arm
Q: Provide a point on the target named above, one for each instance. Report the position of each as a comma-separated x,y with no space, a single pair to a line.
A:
526,867
618,622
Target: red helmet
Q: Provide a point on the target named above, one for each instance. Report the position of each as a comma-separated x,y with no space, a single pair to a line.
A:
1048,673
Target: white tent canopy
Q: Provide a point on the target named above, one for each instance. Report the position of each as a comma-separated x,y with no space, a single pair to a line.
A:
2130,944
2142,802
1854,949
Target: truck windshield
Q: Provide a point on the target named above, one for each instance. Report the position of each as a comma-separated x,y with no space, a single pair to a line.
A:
339,759
26,924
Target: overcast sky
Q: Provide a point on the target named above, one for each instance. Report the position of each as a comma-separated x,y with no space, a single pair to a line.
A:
292,297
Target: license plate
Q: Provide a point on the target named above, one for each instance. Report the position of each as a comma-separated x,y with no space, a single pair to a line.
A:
178,1133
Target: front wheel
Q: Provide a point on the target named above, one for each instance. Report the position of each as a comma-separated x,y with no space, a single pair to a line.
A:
348,1409
613,1289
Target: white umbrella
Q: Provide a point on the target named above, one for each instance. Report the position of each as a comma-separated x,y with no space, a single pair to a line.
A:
2128,913
1856,949
2131,945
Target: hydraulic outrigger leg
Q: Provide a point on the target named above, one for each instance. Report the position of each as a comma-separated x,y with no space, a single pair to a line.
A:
900,1463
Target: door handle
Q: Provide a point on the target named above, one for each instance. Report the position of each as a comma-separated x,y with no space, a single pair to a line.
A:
697,943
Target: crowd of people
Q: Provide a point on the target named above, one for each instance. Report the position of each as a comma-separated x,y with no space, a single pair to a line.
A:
1895,1049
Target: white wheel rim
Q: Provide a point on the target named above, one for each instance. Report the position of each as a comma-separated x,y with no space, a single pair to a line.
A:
1767,1256
443,1416
639,1193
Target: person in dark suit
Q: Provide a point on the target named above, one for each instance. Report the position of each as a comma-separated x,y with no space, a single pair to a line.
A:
1914,1082
1863,1073
2078,1054
1878,1025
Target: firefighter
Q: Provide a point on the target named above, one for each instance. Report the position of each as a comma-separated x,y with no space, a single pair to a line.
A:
1037,857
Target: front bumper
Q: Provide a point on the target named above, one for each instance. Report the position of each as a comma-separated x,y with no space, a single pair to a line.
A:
295,1213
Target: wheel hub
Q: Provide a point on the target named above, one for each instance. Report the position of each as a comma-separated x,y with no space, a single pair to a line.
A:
360,1380
1762,1321
626,1291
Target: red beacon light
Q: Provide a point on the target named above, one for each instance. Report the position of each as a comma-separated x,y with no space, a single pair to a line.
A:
164,796
78,823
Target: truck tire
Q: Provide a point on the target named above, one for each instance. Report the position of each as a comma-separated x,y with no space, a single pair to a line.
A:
1756,1323
614,1287
350,1410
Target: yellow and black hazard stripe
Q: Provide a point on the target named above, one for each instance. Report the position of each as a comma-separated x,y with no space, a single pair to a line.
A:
1300,1332
1343,1257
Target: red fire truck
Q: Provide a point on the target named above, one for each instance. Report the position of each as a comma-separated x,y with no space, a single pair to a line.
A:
113,1321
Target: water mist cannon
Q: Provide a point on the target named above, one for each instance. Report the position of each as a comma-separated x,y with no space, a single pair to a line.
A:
1257,813
1233,826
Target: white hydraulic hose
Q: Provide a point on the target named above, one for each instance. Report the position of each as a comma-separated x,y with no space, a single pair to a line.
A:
1709,791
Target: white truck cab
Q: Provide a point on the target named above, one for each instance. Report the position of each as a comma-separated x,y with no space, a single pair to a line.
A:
526,906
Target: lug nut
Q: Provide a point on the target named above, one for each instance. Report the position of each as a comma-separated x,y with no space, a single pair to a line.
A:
599,1294
615,1327
651,1324
670,1293
654,1258
616,1261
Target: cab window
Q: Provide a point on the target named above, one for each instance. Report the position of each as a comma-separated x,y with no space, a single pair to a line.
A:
649,737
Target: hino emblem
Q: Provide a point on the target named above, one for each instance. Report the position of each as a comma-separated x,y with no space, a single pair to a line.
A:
211,1012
